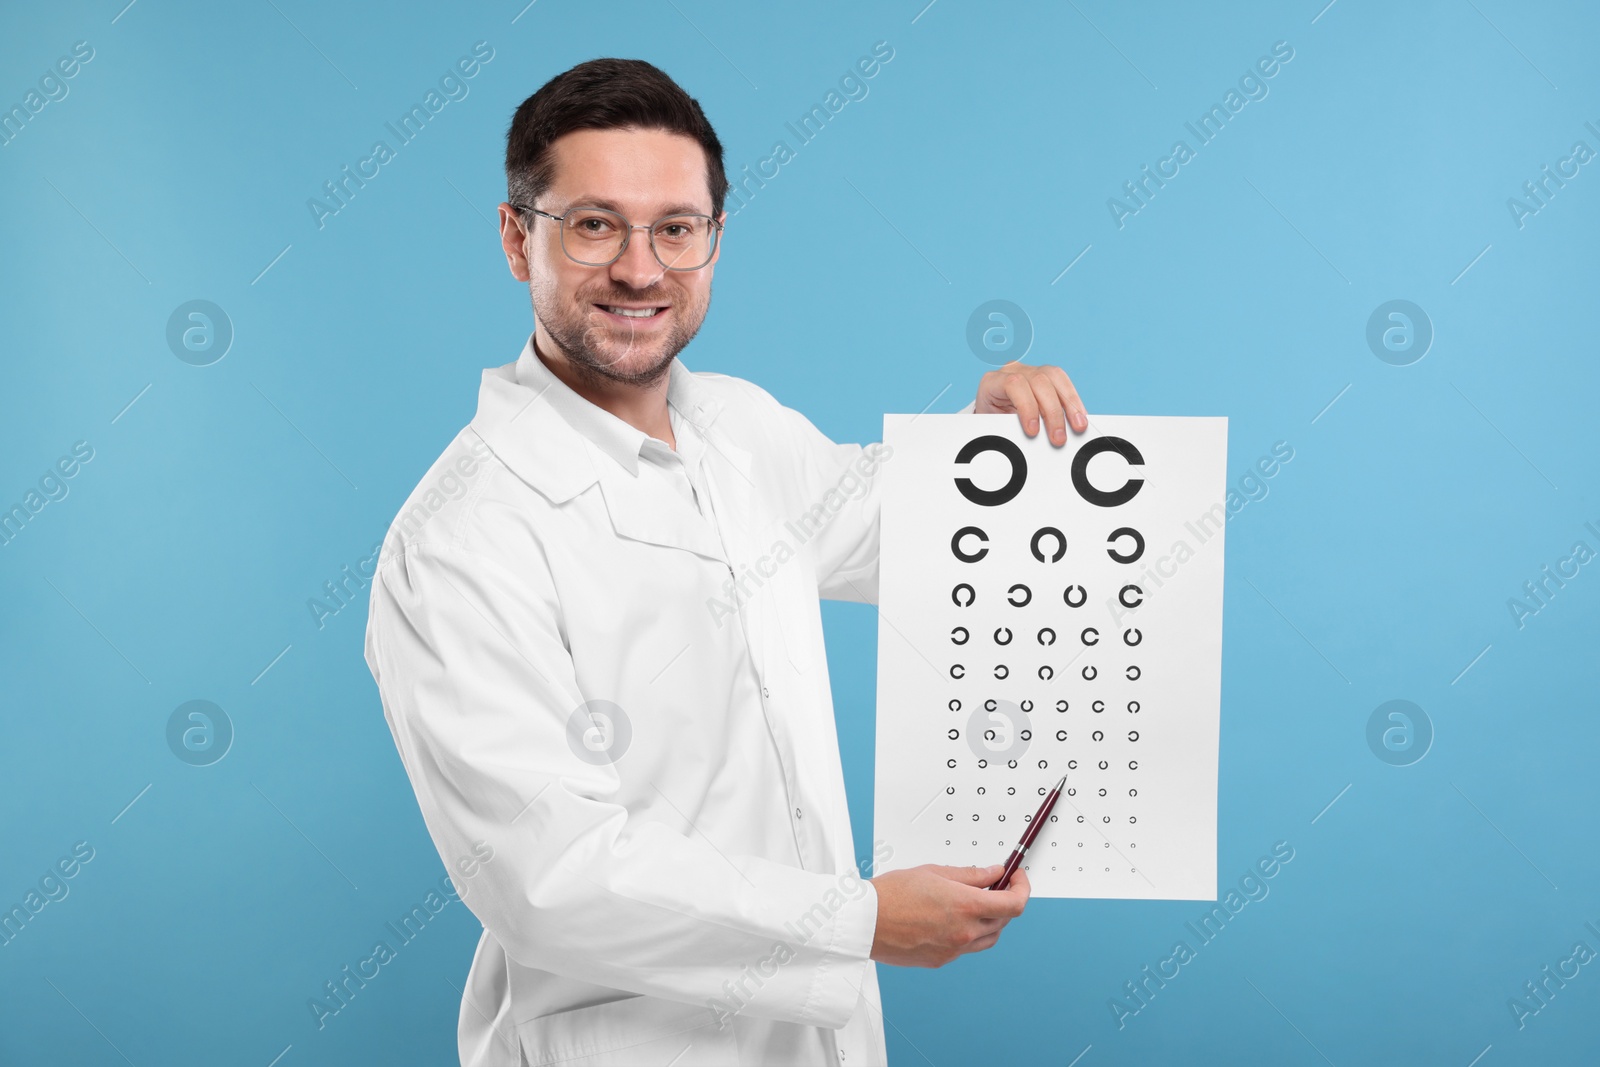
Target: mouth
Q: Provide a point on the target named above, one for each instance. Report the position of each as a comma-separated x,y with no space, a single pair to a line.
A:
634,315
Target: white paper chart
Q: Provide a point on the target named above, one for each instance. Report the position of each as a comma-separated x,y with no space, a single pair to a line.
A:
1048,611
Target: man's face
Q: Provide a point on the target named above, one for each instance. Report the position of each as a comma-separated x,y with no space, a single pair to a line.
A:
643,175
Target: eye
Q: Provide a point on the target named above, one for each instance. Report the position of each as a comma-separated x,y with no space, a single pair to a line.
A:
681,229
592,224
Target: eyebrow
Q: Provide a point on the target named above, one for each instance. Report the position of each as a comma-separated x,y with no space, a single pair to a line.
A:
611,205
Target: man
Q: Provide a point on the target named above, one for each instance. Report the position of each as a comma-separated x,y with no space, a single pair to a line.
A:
599,644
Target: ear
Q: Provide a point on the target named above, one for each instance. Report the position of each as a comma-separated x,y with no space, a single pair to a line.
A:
514,241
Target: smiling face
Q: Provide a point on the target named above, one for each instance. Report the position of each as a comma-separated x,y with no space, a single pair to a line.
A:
627,320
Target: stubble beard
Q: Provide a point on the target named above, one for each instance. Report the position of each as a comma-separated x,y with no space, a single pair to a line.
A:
598,351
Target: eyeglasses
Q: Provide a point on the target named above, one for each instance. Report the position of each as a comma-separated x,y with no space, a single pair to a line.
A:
596,237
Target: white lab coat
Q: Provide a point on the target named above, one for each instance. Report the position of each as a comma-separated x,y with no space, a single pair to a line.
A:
634,908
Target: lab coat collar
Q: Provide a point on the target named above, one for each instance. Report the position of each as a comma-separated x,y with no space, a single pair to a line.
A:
560,444
618,439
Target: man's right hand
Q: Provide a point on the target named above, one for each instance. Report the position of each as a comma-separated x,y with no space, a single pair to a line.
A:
929,915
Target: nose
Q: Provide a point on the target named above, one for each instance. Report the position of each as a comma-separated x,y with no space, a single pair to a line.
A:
637,267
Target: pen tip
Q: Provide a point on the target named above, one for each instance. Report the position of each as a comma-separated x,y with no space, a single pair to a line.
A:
1061,784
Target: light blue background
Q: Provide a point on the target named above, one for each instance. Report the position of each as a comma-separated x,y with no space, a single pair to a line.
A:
1378,566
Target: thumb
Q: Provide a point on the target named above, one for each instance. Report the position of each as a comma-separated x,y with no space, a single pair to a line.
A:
977,876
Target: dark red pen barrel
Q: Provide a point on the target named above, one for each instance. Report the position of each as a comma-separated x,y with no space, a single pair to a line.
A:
1015,859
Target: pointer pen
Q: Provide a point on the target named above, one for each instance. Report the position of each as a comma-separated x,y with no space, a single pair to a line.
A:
1028,835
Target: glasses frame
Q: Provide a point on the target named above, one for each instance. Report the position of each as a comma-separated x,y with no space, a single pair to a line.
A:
627,233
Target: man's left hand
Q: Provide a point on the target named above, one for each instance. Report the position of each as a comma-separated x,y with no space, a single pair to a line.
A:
1033,393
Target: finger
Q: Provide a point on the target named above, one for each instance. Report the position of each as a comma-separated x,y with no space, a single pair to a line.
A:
1001,906
982,877
1020,890
995,906
986,941
1051,406
1023,402
1077,414
1006,904
991,924
1019,884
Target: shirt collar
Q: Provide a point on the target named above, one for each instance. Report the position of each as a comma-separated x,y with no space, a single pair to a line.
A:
615,437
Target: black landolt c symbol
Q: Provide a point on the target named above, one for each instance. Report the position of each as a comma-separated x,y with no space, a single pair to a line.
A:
990,498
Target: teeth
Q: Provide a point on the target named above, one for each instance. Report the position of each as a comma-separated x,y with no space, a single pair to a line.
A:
632,313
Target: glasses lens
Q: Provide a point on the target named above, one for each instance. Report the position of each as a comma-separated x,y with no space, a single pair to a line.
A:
684,242
593,236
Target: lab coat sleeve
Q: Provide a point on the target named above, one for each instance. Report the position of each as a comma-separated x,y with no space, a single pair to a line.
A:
478,689
843,503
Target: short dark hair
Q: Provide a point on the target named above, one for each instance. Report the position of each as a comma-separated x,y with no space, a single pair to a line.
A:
604,94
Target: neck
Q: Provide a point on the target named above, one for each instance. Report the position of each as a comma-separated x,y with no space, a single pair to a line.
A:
644,407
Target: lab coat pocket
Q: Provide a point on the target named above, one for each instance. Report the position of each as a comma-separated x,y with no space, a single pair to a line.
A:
627,1033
